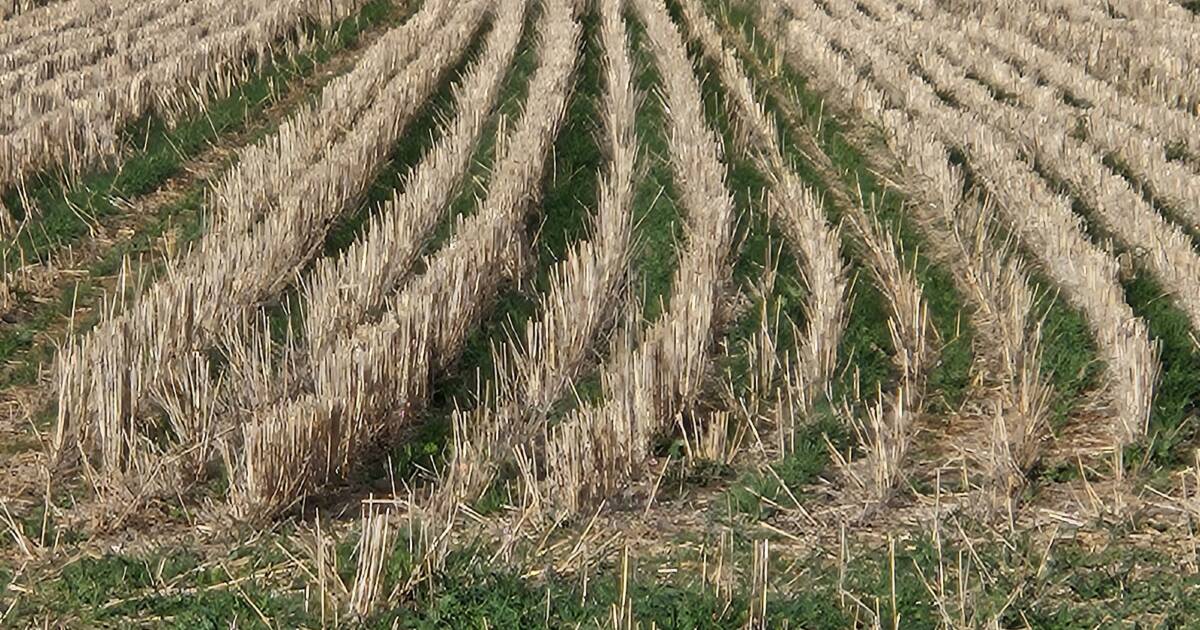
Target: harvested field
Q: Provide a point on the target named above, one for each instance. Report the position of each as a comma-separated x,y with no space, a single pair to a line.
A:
600,313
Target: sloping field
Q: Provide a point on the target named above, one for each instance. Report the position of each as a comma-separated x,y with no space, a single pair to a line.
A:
600,313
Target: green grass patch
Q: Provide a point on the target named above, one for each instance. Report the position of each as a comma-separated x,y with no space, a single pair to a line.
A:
471,595
656,213
178,589
1173,430
1177,151
1069,356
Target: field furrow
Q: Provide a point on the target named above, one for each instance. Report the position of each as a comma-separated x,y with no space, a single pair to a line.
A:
1045,130
538,368
1174,186
341,291
1178,130
61,265
902,354
57,29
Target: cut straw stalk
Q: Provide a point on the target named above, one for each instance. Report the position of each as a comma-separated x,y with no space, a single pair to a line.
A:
117,43
649,385
105,376
1005,302
538,369
74,131
1043,221
59,31
369,386
799,212
30,72
53,48
1172,126
1135,64
341,291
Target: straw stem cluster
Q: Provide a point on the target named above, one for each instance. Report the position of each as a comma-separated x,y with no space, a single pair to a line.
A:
1163,247
1043,221
71,98
1001,291
1152,58
653,382
799,212
538,369
1142,152
13,8
257,185
105,377
372,383
886,433
341,291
